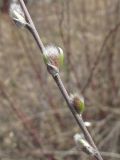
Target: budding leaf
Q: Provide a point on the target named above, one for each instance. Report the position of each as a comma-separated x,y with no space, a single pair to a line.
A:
61,58
78,103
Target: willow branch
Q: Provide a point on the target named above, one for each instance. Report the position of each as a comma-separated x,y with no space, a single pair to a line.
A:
57,79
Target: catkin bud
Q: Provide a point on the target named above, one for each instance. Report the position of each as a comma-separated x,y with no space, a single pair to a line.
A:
17,15
83,145
54,56
78,103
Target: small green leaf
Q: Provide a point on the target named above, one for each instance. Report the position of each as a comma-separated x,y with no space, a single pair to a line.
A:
61,58
78,103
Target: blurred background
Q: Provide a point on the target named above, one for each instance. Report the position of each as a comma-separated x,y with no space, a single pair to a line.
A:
35,122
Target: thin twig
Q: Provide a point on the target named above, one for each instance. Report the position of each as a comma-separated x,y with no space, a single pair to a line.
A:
25,120
63,153
77,117
59,83
32,27
98,58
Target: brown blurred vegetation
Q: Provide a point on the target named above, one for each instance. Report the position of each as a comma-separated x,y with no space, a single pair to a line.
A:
34,120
